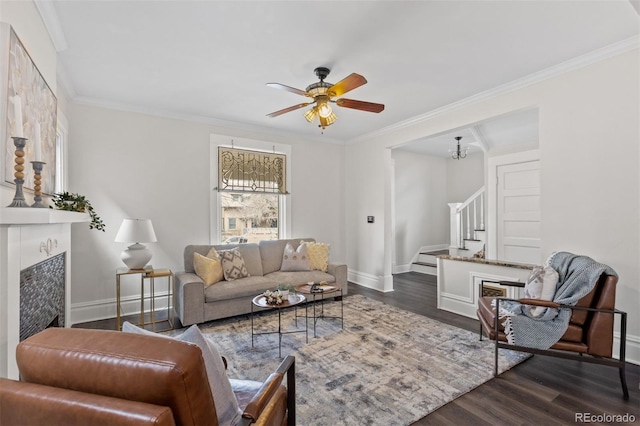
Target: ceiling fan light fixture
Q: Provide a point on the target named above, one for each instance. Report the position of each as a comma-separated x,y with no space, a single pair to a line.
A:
331,118
322,93
324,110
311,114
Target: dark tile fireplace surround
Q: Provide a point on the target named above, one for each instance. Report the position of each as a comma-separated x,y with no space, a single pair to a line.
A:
42,296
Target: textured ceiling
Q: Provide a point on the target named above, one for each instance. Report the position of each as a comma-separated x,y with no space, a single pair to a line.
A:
210,60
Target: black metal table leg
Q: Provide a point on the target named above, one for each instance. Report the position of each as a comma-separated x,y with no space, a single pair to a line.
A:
252,325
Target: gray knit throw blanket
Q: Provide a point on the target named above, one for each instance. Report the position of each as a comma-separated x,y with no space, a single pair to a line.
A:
577,277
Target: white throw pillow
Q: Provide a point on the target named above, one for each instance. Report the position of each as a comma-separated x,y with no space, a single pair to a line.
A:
295,260
533,285
541,285
229,413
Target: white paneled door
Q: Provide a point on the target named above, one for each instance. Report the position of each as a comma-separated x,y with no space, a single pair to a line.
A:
518,215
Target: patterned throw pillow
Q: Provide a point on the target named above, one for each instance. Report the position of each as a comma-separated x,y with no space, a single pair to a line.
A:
541,284
295,260
209,267
233,265
318,255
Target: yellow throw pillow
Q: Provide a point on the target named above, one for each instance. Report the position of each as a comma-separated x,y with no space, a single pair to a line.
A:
208,268
318,255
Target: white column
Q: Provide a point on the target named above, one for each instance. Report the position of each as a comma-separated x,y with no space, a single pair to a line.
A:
455,226
475,217
468,224
482,211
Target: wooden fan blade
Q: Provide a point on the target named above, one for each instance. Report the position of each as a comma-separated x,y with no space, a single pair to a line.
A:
349,83
361,105
287,88
286,110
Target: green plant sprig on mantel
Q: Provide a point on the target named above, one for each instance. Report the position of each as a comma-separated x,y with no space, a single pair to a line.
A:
78,203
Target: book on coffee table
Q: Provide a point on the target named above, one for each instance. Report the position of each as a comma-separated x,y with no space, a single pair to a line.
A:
317,288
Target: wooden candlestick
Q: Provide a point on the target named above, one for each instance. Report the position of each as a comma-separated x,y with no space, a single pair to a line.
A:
18,198
37,188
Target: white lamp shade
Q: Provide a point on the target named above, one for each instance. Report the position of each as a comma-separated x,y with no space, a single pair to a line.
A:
136,231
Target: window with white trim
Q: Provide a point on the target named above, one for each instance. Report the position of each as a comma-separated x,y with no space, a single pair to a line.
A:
251,185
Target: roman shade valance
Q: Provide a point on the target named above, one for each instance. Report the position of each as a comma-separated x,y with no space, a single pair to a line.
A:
241,170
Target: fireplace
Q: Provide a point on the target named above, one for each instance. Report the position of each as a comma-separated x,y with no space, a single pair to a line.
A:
35,269
42,296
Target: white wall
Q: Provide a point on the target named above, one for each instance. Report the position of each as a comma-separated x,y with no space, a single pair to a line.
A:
588,140
136,165
365,174
421,211
464,177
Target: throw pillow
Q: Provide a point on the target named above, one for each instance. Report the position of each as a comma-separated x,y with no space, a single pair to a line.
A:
318,255
209,267
541,285
533,285
227,409
295,260
233,265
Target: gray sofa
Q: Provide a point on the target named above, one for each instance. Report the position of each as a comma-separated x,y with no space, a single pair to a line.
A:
194,304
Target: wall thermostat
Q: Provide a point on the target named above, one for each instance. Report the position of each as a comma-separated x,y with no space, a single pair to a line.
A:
370,219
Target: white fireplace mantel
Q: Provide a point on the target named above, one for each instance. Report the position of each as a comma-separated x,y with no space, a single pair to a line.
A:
35,216
28,236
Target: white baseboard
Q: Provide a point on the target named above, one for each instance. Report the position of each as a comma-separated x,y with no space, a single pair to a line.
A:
401,269
633,348
370,281
104,309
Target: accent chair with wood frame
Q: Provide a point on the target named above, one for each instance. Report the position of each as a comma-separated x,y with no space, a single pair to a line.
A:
589,336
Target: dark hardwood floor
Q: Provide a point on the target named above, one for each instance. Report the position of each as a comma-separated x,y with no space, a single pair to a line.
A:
539,391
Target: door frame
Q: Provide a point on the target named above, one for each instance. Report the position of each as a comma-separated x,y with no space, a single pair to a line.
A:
492,193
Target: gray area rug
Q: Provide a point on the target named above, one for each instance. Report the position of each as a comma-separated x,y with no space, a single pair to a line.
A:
386,367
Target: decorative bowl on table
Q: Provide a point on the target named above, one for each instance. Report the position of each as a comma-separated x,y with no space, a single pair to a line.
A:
273,297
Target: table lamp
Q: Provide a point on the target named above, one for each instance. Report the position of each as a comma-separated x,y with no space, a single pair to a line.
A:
136,231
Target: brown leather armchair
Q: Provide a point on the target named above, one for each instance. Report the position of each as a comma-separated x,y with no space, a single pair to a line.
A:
589,337
98,377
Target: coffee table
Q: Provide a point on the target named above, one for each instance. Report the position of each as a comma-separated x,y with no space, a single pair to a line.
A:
329,290
260,301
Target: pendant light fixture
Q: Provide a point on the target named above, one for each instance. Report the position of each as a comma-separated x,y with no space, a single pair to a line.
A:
458,153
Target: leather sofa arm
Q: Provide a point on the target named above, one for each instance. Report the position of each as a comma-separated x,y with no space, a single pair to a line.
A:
189,298
266,400
34,404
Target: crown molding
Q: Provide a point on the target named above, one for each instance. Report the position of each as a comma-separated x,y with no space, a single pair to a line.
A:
595,56
226,126
51,21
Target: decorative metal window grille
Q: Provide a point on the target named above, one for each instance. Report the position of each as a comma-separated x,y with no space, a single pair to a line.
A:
241,170
491,291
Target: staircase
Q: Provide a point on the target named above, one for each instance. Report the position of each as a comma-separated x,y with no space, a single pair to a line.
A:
468,234
426,262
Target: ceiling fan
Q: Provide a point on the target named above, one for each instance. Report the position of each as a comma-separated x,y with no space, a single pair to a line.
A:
323,93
